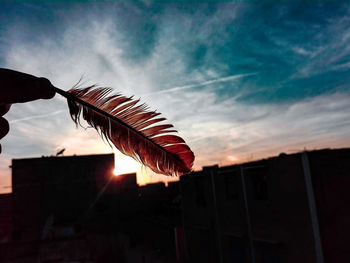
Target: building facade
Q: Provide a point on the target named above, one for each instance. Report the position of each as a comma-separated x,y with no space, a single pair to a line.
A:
290,208
74,209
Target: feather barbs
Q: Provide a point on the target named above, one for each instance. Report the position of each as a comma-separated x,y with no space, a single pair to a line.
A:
131,128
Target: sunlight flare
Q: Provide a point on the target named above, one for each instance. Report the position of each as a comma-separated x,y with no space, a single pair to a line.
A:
124,164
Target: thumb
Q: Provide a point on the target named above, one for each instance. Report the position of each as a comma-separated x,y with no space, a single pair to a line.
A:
43,89
21,87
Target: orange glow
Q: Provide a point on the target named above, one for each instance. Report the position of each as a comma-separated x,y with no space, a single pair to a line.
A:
115,172
232,158
146,176
124,164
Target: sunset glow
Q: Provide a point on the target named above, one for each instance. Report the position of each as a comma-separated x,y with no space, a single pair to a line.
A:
124,164
238,80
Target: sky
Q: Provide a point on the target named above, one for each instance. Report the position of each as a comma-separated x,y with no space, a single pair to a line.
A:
240,81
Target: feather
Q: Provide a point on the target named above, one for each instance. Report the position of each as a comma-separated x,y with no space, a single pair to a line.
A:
131,128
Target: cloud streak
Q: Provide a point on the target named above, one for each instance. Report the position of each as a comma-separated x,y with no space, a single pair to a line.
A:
36,117
204,83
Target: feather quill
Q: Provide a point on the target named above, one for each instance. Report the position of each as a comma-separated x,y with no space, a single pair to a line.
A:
132,128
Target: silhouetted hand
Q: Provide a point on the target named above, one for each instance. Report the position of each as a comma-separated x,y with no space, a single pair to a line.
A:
18,87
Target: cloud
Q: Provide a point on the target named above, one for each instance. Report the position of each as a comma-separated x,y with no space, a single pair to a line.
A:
204,83
196,70
36,117
265,130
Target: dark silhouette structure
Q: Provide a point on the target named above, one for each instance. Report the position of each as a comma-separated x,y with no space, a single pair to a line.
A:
75,209
6,220
290,208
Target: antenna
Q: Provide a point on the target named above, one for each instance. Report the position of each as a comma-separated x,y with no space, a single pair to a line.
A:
60,152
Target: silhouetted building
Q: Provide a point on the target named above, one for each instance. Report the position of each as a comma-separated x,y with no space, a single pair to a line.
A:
291,208
58,187
6,222
73,209
51,198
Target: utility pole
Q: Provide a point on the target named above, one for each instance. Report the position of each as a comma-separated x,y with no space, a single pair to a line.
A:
312,206
217,219
250,231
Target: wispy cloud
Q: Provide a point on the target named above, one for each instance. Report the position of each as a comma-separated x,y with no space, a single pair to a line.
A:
266,130
204,83
37,116
186,73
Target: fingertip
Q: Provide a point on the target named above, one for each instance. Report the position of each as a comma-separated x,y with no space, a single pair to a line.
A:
4,127
4,108
47,90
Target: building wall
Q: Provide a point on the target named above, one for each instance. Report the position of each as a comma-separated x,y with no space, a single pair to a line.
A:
75,209
62,187
330,171
6,222
138,222
279,215
198,218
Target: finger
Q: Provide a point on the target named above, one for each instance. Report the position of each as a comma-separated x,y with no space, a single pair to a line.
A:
21,87
45,90
4,108
4,127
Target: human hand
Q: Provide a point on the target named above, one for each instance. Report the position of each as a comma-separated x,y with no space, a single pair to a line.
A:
18,87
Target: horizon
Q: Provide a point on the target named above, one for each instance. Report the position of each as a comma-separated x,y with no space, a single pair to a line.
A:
115,173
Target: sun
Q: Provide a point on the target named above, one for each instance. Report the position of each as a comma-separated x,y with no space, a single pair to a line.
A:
125,164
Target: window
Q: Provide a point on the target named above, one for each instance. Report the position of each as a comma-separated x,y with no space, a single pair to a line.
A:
270,256
259,177
232,185
200,194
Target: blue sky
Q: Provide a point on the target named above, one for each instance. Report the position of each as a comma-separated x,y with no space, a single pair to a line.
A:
239,81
